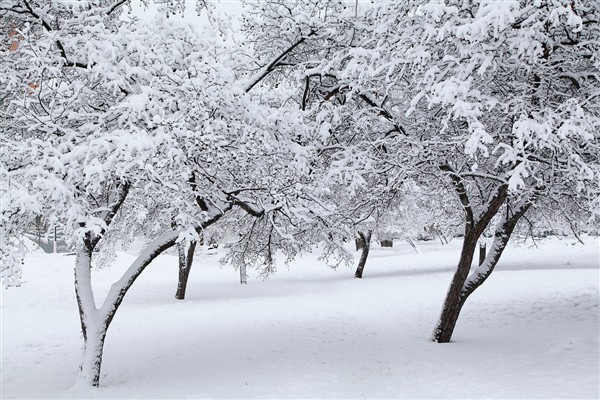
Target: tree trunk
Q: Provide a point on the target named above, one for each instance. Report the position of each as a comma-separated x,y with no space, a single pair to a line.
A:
96,321
387,243
91,361
360,243
442,237
482,252
243,275
462,284
474,228
501,237
185,250
413,245
452,304
366,240
93,334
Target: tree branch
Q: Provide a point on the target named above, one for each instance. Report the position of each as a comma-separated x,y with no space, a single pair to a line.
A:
58,43
460,189
275,63
119,289
115,6
113,209
383,112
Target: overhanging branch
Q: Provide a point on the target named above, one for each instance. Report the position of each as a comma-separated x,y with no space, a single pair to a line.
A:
270,67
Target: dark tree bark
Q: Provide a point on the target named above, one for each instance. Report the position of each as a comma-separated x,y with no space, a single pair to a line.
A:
185,251
366,240
476,279
360,243
482,252
443,238
473,230
452,304
464,284
501,237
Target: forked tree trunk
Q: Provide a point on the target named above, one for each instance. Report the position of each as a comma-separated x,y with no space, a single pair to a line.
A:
93,340
366,240
463,284
501,237
185,250
474,227
96,321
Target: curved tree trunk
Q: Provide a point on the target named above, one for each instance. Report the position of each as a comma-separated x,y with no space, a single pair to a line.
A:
452,304
464,284
474,227
96,321
366,240
185,250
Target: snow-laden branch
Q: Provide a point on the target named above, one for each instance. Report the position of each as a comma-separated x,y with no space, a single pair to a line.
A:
59,44
246,205
502,235
112,210
166,240
267,69
461,191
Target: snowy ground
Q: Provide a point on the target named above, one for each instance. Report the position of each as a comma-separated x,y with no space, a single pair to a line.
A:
531,331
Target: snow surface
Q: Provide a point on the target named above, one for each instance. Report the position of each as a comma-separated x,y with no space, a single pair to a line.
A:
531,331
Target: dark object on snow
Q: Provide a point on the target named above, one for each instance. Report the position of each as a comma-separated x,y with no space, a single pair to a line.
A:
366,240
359,243
482,252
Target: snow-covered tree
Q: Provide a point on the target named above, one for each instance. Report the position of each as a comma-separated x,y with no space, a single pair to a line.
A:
90,144
496,102
521,80
114,127
499,100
